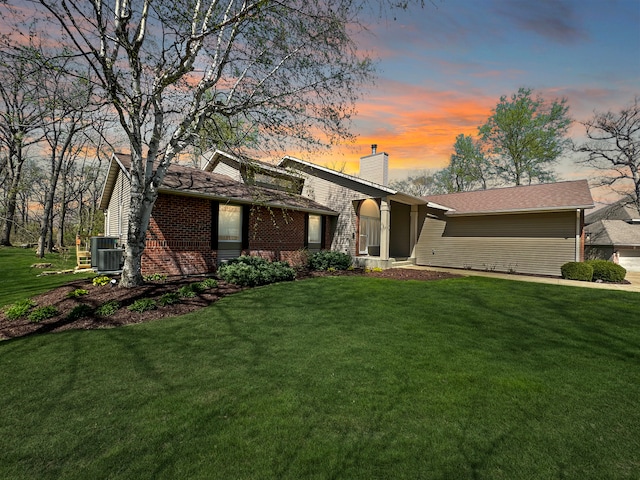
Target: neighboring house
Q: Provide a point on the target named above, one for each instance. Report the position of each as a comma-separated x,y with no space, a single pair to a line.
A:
202,218
233,205
613,233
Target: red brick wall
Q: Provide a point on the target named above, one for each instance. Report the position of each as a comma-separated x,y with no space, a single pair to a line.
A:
179,236
277,234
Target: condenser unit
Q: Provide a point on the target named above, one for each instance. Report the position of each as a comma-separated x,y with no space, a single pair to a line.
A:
99,243
109,259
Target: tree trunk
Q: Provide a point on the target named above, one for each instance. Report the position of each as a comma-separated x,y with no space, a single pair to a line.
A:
139,217
12,200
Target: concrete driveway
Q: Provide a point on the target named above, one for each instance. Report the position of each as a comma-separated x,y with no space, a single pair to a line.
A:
633,277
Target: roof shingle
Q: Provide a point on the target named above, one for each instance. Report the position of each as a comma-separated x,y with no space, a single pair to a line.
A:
543,197
192,181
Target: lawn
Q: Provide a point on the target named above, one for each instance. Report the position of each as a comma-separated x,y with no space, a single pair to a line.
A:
19,281
338,377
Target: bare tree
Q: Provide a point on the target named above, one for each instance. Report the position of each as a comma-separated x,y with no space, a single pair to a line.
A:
20,123
66,112
613,148
289,69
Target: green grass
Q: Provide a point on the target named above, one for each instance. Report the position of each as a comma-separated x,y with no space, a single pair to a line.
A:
19,281
343,377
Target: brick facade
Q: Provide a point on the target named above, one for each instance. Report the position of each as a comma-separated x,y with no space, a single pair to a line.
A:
179,236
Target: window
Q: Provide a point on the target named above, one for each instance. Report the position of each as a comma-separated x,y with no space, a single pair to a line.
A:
315,229
230,223
369,226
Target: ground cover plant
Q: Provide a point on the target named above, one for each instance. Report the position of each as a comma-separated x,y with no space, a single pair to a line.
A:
349,377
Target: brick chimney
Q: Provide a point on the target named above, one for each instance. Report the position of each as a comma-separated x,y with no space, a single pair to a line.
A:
375,167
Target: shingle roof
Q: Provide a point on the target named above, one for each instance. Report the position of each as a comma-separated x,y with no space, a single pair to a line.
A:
544,197
192,181
612,232
621,210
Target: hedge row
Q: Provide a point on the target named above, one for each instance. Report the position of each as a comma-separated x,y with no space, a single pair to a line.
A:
248,271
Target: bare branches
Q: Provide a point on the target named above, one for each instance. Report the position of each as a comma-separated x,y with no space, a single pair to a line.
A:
613,147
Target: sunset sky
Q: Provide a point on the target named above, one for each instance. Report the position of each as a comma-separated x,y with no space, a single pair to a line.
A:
443,68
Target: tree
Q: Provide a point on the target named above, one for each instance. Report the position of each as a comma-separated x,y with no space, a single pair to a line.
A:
291,69
525,136
66,112
613,147
416,185
468,168
20,123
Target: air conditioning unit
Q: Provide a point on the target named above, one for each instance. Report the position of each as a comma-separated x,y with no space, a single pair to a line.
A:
99,243
109,259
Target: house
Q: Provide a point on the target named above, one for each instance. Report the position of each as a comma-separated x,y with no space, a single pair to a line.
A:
527,229
231,205
531,229
202,218
613,233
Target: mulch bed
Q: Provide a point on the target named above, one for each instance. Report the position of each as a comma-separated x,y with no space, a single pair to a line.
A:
99,295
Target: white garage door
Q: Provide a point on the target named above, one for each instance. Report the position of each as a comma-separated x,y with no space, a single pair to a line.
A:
630,259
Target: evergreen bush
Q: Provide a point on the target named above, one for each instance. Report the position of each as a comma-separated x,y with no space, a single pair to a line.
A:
607,271
577,271
250,271
326,259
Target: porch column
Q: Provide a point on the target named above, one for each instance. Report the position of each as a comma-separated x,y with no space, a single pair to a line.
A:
413,231
385,228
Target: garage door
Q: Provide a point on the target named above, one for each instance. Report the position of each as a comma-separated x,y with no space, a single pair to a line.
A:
630,259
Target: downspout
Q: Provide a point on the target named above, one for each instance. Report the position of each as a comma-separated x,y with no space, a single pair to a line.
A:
413,231
578,235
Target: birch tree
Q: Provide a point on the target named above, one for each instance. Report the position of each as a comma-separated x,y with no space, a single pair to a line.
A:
291,69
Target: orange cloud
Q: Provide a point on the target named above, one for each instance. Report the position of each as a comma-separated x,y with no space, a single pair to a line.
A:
416,126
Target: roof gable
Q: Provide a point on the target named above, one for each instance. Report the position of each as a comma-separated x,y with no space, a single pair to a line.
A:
355,183
182,180
624,210
530,198
254,172
613,233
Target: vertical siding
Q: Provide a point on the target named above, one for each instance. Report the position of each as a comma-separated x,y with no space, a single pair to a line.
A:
524,243
224,169
118,209
339,198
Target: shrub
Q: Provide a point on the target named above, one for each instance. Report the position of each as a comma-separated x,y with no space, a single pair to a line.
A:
208,283
326,259
155,277
169,299
19,309
107,309
42,313
249,271
607,271
101,281
80,311
186,291
143,305
577,271
78,292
